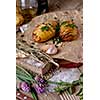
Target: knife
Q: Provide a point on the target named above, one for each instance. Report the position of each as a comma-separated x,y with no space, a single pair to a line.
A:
67,64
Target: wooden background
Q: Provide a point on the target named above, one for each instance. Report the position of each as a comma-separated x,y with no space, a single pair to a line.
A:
55,5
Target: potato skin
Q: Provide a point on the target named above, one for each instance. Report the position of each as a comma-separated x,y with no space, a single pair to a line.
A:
19,17
68,31
44,31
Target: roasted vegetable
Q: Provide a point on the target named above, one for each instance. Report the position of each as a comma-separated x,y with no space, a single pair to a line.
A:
44,31
19,17
68,31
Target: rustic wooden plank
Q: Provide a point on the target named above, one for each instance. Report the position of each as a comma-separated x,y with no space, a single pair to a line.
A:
56,5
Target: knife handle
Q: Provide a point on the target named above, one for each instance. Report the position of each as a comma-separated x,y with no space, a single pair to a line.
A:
21,96
71,65
67,64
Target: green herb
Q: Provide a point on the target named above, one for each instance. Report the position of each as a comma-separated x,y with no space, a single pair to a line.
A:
70,90
22,74
60,89
57,28
80,93
34,95
64,23
22,71
45,28
57,40
68,87
62,86
59,83
71,25
25,78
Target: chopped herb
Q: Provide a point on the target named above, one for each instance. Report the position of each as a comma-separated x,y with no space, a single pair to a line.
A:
64,23
45,28
57,40
72,25
57,28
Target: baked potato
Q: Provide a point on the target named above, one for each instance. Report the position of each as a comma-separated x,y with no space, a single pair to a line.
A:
68,31
19,17
44,31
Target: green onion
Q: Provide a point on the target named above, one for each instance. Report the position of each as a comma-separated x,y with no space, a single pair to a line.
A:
34,95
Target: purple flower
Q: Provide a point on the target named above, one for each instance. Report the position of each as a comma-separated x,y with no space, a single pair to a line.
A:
40,79
24,86
39,89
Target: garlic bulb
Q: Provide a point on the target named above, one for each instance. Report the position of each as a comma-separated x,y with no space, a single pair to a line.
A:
50,49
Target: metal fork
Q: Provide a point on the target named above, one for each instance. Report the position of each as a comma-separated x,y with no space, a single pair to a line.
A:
65,96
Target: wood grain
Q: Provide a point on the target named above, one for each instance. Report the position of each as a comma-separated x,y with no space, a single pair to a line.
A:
56,5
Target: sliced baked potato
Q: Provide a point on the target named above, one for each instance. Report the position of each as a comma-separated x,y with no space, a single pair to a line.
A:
19,17
68,31
44,31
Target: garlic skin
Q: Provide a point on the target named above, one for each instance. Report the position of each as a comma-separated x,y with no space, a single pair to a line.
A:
50,49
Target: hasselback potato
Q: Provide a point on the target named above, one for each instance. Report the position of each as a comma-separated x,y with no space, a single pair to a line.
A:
44,31
19,17
68,31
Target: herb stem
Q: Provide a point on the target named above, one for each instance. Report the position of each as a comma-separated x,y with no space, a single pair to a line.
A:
26,78
60,83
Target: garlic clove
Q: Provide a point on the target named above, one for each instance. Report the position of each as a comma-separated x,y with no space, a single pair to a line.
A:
50,49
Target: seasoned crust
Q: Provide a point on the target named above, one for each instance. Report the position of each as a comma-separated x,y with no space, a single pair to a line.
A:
44,31
19,17
68,31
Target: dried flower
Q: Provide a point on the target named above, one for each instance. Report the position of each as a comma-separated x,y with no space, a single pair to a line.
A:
25,86
39,89
39,79
42,80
